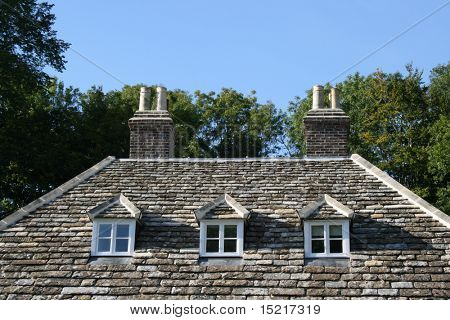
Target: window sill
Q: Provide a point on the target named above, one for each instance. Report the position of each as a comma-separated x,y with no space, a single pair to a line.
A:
109,260
220,261
328,262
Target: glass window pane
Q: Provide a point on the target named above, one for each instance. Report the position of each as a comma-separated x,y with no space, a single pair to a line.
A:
121,245
212,231
104,245
230,231
336,231
317,246
335,246
229,245
317,231
104,230
123,231
212,245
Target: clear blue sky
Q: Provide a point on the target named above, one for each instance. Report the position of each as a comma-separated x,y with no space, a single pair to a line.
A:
278,48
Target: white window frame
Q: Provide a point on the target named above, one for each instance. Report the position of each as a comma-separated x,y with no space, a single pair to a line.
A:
222,224
345,239
131,237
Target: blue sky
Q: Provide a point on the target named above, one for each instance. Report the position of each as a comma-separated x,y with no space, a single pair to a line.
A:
278,48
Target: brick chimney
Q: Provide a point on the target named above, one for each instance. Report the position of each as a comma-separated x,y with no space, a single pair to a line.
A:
152,131
326,129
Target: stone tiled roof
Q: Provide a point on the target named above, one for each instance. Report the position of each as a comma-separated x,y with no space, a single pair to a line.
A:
398,249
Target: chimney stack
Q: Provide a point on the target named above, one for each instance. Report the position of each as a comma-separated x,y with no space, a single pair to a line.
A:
152,131
326,129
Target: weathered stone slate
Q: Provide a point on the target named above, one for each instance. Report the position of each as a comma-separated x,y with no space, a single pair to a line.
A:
397,250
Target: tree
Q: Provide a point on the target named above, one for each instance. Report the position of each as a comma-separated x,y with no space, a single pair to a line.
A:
235,125
187,119
28,44
439,146
40,148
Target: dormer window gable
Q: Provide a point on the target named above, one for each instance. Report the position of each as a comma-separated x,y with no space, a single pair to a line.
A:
326,228
222,227
114,227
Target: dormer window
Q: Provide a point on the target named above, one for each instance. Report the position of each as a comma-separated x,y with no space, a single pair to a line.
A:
326,228
222,227
114,227
327,239
113,237
221,238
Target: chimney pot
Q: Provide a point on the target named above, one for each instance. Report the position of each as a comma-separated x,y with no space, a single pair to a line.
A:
334,98
144,99
317,97
161,102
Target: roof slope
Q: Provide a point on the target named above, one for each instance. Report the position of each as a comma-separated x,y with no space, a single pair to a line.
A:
169,191
50,247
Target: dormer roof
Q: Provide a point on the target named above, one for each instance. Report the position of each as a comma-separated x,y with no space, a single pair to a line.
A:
223,207
326,207
118,207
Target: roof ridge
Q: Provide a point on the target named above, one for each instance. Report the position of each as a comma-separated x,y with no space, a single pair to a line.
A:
397,186
52,195
262,159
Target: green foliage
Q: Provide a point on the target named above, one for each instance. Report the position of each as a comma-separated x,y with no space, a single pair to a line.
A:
235,125
439,146
27,45
33,131
39,146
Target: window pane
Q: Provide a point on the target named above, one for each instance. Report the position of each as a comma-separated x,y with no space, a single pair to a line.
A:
229,245
317,231
212,245
122,245
212,231
335,246
335,231
317,246
104,245
230,231
123,231
104,230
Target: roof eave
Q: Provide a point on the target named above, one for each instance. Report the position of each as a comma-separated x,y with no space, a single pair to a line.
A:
55,193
